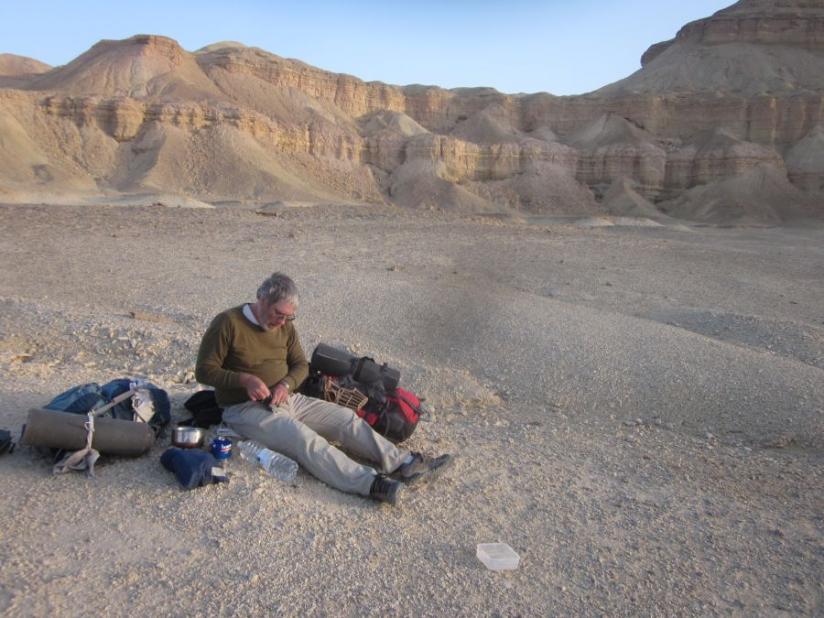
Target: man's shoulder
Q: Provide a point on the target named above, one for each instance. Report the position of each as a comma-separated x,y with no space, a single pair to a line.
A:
233,314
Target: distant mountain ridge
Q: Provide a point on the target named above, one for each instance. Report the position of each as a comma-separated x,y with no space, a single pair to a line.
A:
13,65
739,91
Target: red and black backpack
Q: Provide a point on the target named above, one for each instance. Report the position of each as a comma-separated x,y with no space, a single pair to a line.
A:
397,417
390,410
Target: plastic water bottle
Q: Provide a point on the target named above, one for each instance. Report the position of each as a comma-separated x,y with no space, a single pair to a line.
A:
275,464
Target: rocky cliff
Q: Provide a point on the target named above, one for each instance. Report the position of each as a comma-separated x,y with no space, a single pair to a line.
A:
732,94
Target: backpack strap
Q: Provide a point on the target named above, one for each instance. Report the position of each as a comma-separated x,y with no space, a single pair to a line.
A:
85,458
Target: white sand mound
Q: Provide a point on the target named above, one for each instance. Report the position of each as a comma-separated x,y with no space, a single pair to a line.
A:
491,125
419,183
623,200
610,130
386,121
725,154
722,143
763,195
543,188
544,134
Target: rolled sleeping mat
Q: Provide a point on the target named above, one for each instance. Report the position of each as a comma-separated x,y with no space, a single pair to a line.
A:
367,371
112,436
335,362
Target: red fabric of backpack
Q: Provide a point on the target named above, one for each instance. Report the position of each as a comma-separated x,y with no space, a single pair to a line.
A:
397,417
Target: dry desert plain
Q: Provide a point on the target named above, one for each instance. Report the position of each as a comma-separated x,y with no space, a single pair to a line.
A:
638,410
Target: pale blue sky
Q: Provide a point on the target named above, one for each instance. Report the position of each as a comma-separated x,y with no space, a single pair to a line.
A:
557,46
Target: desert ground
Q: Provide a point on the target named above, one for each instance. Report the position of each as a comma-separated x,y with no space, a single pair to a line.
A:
637,409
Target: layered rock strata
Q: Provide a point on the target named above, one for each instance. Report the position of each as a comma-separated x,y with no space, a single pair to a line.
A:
739,91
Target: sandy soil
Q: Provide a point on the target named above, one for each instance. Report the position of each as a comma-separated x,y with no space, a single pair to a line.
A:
637,410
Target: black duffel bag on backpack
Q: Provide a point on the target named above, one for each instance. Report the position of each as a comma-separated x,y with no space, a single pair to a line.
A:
335,362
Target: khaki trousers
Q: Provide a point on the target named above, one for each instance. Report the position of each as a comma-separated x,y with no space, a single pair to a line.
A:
301,427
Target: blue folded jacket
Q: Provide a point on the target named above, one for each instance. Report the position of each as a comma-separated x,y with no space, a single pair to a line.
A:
192,467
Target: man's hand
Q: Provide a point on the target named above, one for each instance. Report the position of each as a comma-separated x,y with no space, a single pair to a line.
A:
280,394
255,387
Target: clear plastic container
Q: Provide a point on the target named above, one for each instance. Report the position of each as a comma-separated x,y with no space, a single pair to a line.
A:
275,464
498,556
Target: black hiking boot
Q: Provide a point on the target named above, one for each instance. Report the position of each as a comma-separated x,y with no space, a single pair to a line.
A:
385,490
421,466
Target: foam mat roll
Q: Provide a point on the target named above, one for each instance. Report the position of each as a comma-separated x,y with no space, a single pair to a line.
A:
65,430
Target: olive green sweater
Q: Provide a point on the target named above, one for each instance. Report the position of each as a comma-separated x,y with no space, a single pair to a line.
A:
233,345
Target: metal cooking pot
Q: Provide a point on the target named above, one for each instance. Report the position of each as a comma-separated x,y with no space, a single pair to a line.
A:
187,437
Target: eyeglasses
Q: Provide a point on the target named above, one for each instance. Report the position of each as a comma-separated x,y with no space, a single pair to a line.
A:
285,316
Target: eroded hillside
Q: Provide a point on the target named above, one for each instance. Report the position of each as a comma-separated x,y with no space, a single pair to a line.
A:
732,100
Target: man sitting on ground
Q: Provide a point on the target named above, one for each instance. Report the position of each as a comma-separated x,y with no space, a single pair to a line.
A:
252,356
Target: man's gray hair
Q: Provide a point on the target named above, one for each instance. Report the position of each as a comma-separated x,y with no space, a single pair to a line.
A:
278,287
